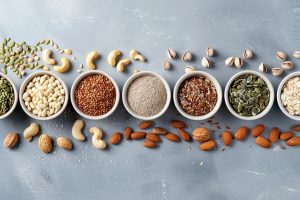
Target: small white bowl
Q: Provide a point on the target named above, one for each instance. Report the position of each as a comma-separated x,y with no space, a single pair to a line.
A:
23,89
279,94
127,84
218,89
78,79
271,89
15,95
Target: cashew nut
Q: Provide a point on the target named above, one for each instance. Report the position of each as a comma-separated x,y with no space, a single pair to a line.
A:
134,54
64,67
31,131
112,57
90,59
76,130
46,57
121,64
96,138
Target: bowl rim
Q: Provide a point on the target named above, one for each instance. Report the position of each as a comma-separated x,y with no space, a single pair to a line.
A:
74,85
279,89
267,81
218,89
22,91
15,96
130,80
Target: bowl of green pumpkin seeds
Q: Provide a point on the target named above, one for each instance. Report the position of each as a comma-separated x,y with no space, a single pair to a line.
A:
249,95
8,96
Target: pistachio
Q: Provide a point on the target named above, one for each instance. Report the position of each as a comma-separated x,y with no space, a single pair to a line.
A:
171,53
206,62
277,71
287,65
209,52
166,65
187,56
229,61
189,69
296,54
262,67
238,62
247,54
280,55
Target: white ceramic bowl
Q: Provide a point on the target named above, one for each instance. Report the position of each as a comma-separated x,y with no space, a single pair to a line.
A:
127,84
279,94
265,111
218,89
15,94
23,88
78,79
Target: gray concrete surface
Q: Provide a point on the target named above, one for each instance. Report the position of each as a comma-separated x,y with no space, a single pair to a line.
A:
173,171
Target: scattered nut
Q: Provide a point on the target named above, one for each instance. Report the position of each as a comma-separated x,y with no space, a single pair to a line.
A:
287,65
171,53
280,56
296,54
45,143
64,143
262,67
247,54
187,56
122,64
115,138
76,130
113,56
206,62
229,61
134,54
96,138
64,67
10,140
209,52
31,131
46,57
166,65
201,134
238,62
189,69
68,51
277,71
90,59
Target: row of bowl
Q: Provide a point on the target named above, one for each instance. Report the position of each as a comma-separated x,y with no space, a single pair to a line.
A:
168,93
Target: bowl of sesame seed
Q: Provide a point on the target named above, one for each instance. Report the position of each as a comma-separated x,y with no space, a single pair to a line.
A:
95,95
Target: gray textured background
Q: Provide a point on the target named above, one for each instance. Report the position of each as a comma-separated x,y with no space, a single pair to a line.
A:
173,171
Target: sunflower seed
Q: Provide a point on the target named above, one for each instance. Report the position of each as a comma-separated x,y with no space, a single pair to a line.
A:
171,53
280,56
287,65
187,56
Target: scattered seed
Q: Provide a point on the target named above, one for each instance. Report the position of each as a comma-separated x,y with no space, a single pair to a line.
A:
171,53
229,61
206,62
187,56
277,71
247,54
238,62
287,65
209,52
280,55
189,69
166,65
262,67
296,54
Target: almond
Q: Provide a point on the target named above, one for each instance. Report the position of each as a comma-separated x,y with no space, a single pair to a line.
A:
263,142
137,135
227,138
294,141
149,144
10,140
115,138
296,127
185,136
274,135
159,131
286,135
45,143
201,134
178,124
127,132
145,124
64,143
152,137
208,145
258,130
241,133
172,137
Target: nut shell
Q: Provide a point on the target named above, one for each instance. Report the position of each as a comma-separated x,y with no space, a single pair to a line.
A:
11,140
64,143
201,134
45,143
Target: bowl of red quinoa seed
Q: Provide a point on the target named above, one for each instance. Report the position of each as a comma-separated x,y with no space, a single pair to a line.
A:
95,95
197,95
146,95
